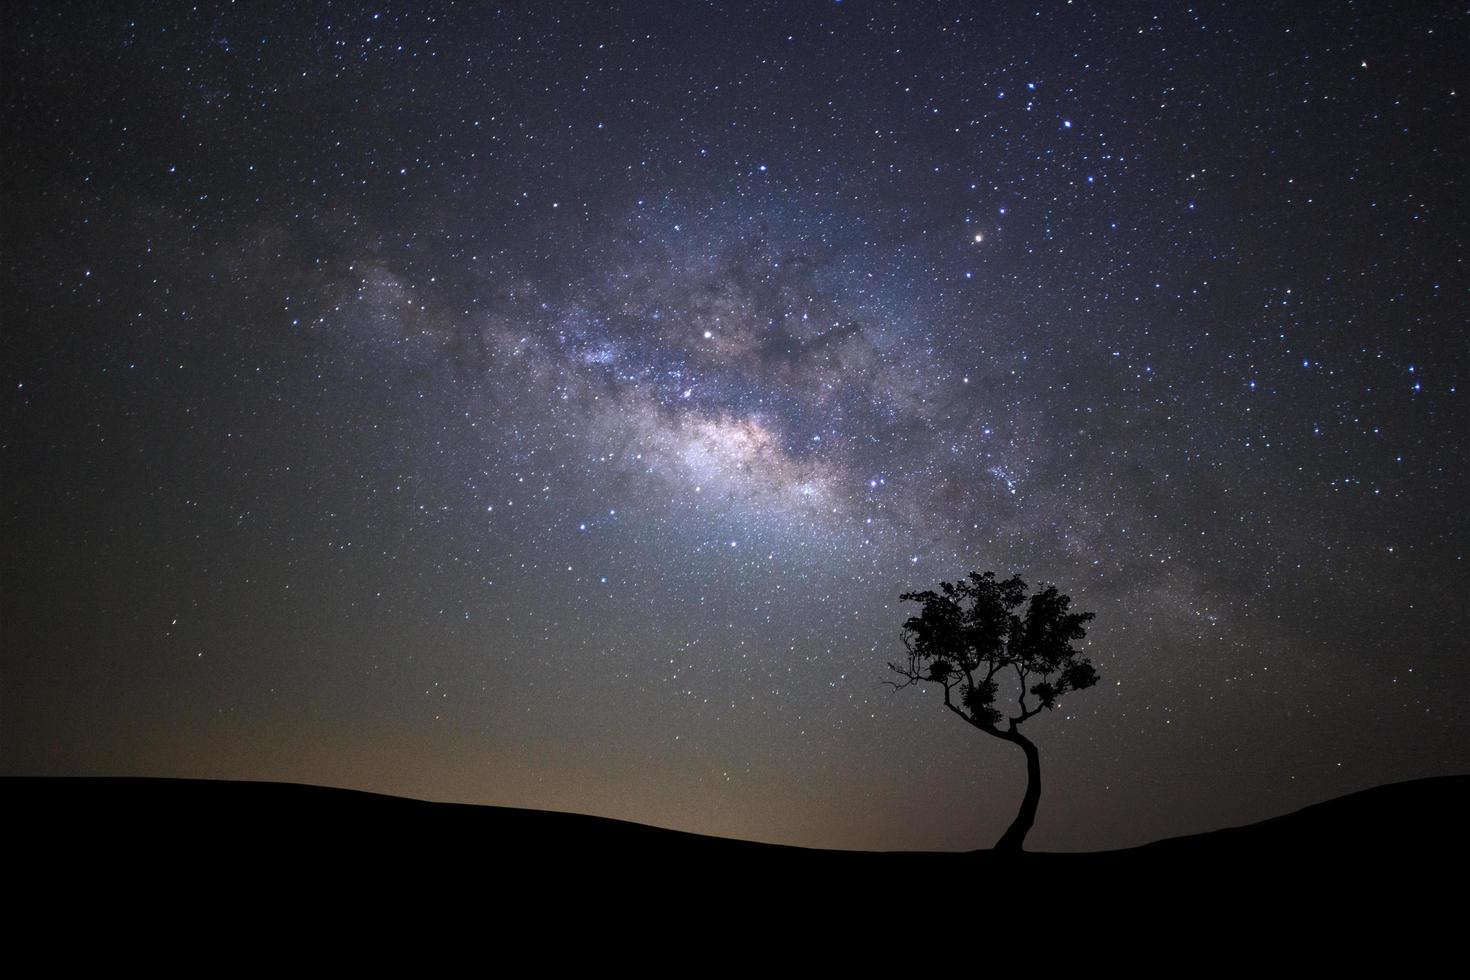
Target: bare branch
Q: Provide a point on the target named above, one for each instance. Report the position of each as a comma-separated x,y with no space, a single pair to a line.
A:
1021,675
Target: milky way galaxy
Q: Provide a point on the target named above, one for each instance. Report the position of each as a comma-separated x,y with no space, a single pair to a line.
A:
546,406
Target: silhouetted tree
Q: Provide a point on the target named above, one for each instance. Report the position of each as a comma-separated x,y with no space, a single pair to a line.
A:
970,639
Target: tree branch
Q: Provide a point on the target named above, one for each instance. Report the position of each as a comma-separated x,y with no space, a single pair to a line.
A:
987,729
1025,713
1021,676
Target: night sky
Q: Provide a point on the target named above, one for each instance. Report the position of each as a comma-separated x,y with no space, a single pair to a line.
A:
546,404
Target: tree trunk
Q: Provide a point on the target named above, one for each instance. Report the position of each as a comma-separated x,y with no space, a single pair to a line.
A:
1015,835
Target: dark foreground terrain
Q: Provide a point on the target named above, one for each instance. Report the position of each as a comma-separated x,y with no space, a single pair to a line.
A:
161,847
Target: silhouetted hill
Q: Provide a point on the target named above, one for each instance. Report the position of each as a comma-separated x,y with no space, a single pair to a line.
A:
163,839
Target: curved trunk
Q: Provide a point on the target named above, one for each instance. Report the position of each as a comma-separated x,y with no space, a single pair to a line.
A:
1012,839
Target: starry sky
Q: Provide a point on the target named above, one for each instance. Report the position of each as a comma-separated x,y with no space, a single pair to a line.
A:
545,404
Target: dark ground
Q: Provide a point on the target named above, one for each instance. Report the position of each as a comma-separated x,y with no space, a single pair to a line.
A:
224,877
154,851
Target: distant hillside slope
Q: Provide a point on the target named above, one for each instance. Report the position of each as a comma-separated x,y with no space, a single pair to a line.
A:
194,834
